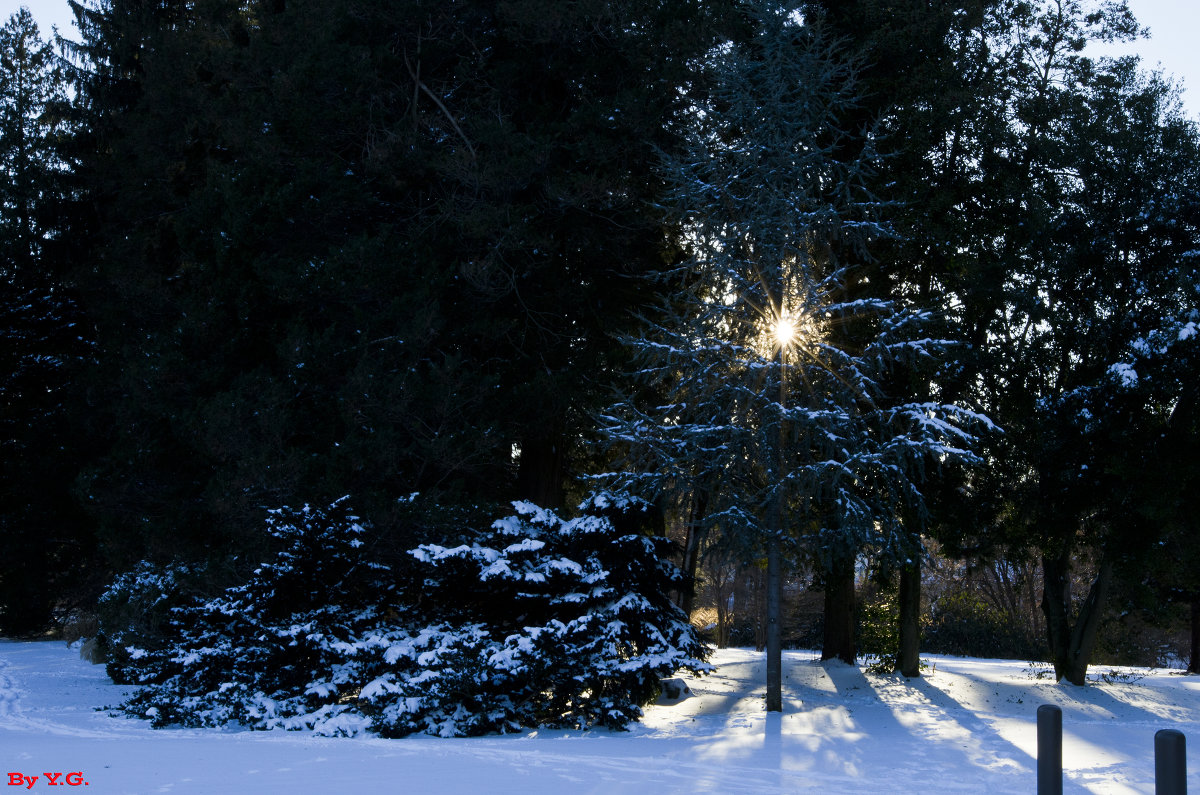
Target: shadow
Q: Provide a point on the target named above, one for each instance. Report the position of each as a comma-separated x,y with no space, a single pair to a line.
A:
845,728
966,726
935,738
1107,740
772,754
936,713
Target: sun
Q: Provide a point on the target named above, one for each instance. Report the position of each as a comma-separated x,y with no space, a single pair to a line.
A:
784,330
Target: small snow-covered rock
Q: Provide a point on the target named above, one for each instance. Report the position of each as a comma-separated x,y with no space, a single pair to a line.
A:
673,691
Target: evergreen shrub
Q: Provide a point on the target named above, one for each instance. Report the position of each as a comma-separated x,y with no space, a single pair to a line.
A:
963,624
540,621
134,614
878,631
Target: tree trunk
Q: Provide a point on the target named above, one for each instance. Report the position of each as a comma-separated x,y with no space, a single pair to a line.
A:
540,476
908,660
1056,607
774,626
1194,660
759,584
839,611
723,616
691,549
1071,646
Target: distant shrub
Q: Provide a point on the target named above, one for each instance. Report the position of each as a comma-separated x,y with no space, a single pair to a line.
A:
962,623
878,635
1154,638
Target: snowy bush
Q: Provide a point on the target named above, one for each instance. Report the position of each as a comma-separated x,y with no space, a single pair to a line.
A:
135,613
282,649
539,622
561,623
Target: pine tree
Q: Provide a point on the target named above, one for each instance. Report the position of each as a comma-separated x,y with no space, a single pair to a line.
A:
925,85
31,128
368,243
539,621
42,333
769,378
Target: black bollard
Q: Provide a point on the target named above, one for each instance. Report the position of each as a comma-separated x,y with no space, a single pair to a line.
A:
1170,763
1049,750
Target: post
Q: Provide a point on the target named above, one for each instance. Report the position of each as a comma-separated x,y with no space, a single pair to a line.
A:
1049,750
1170,763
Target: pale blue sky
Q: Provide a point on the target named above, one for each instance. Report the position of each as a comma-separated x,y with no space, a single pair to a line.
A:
46,12
1174,45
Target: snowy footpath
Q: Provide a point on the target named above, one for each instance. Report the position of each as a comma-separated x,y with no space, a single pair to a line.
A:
967,726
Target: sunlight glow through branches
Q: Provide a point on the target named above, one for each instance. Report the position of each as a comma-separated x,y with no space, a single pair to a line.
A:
784,331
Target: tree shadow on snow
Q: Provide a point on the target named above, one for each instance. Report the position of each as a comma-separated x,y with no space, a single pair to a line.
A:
938,738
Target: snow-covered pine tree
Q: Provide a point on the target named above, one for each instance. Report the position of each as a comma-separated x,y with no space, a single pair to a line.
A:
539,621
766,372
284,649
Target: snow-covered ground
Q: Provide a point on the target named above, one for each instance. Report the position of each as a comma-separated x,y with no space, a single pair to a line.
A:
967,726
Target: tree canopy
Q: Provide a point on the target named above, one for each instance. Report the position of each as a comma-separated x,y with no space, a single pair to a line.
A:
833,284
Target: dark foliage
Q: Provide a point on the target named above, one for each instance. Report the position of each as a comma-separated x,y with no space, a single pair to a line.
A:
45,538
538,622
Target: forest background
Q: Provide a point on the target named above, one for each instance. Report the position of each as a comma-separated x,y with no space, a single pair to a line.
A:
275,253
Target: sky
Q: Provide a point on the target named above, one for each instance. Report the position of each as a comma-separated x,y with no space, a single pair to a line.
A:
1173,24
1172,45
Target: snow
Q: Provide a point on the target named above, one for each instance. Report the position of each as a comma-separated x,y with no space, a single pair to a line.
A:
1125,372
966,726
